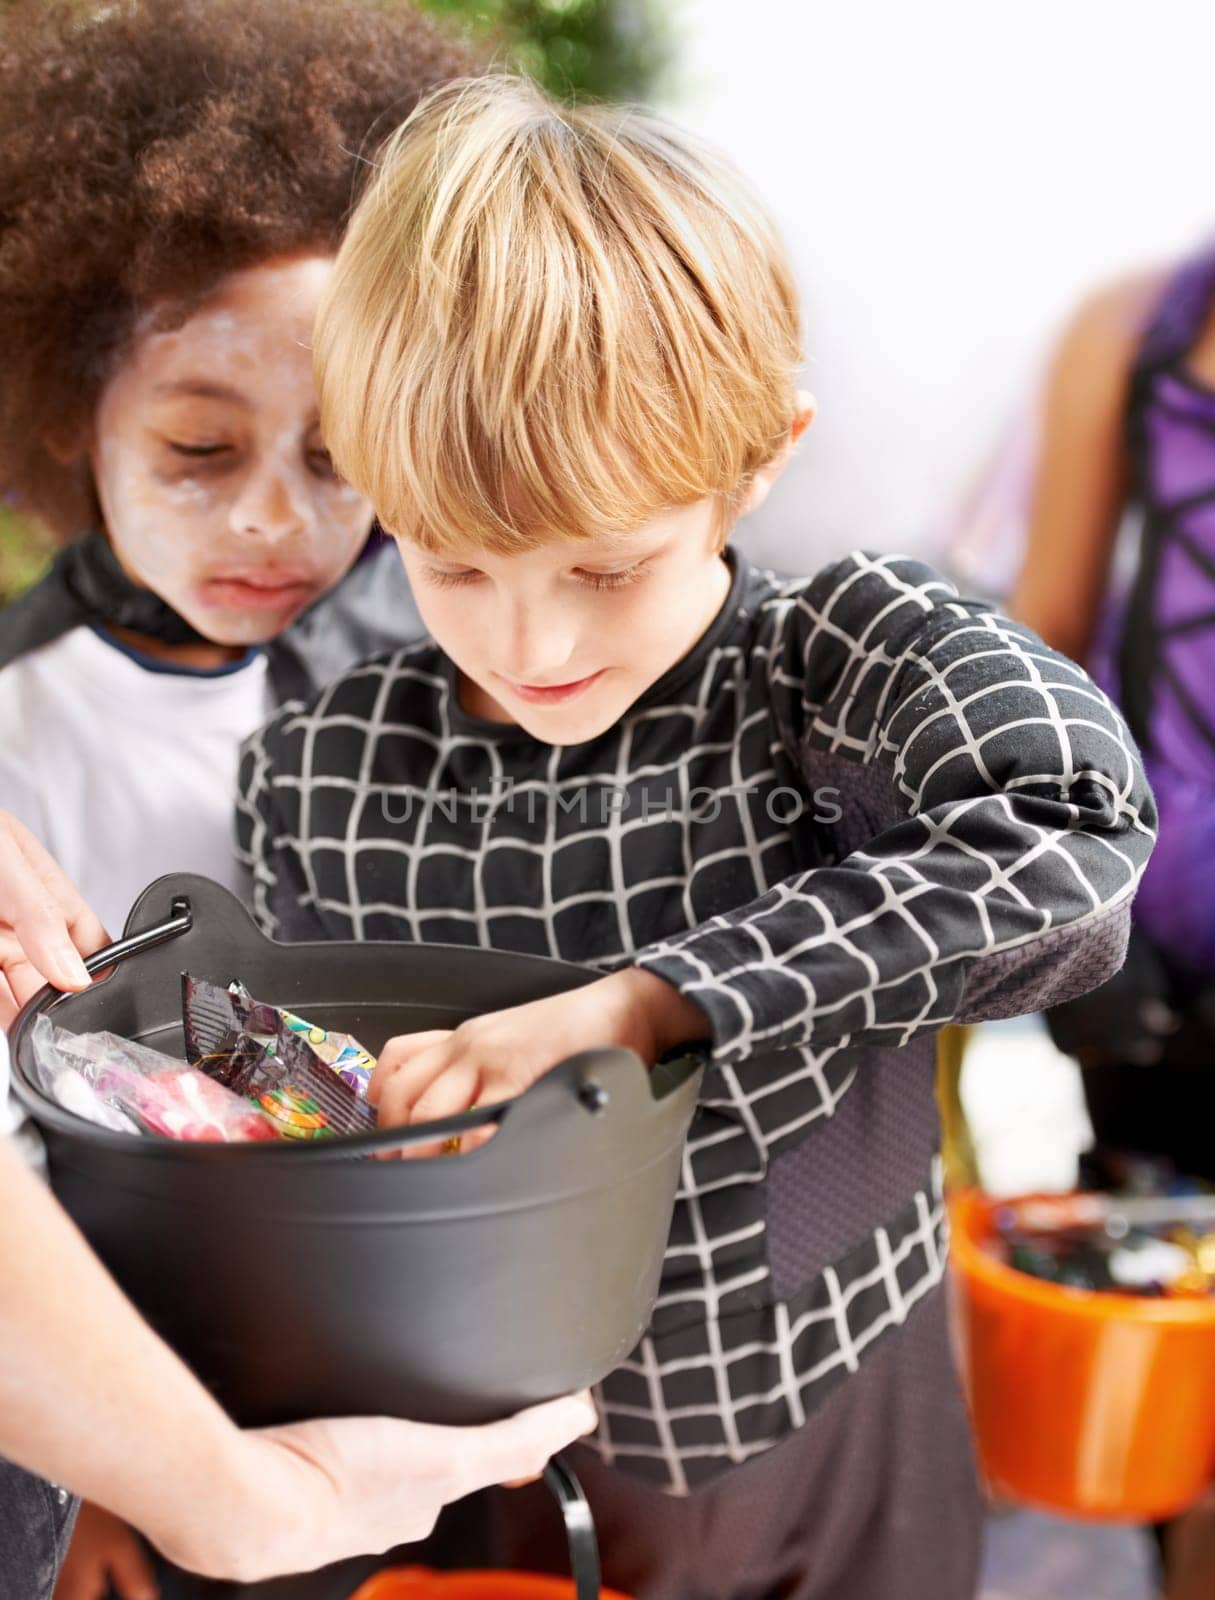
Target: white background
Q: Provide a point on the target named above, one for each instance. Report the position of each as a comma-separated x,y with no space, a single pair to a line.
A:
950,176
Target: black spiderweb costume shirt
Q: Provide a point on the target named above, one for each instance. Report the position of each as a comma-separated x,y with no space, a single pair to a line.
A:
858,809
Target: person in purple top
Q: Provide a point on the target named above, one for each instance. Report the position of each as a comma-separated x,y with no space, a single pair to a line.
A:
1162,673
1129,444
1130,431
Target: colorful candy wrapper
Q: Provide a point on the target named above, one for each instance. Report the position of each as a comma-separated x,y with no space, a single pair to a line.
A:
339,1051
130,1088
261,1052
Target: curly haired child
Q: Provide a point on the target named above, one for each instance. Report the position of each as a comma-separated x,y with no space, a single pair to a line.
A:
175,176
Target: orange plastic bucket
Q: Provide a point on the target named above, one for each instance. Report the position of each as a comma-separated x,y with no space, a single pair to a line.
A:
1097,1405
419,1583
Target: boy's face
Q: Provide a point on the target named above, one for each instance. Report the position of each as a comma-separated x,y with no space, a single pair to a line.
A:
563,639
216,490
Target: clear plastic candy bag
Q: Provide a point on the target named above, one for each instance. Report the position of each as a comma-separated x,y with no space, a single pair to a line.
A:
128,1087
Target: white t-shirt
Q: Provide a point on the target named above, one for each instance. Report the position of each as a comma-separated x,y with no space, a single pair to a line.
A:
123,767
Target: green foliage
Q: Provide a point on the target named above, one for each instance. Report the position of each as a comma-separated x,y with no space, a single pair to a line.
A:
25,550
598,49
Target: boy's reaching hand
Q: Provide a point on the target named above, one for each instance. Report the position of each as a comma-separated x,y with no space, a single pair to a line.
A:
422,1077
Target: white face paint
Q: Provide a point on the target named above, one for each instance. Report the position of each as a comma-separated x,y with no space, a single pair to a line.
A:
215,486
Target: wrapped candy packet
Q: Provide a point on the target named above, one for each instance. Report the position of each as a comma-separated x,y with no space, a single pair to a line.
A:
264,1054
130,1088
339,1051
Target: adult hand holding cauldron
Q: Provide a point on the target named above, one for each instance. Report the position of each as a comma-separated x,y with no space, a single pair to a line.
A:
421,1077
45,926
90,1397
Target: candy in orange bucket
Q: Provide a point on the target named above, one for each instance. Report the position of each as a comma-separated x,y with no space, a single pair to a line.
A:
1092,1404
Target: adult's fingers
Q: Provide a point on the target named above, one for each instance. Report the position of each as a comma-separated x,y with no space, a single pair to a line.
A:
77,1584
323,1490
21,976
44,908
523,1445
130,1570
9,1004
82,1578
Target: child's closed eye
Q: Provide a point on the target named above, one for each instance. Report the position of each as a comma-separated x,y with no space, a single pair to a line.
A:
614,580
196,452
458,577
445,578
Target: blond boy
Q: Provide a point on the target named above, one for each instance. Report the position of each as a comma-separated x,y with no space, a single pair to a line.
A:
808,821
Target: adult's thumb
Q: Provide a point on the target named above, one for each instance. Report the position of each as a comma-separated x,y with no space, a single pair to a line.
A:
522,1446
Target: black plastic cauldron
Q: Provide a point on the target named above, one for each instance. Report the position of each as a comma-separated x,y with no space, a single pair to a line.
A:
312,1281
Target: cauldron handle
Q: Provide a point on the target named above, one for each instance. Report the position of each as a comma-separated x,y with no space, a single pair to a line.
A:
579,1527
180,920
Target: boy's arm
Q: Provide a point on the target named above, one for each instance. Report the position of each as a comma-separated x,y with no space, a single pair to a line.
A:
1020,821
996,819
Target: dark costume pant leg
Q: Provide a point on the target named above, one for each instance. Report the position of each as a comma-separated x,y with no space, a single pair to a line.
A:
874,1499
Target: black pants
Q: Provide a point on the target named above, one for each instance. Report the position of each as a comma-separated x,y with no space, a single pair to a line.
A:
35,1525
876,1498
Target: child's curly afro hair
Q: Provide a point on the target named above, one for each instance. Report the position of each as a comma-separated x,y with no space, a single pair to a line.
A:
147,149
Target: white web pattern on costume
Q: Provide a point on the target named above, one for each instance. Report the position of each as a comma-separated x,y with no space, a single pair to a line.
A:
938,719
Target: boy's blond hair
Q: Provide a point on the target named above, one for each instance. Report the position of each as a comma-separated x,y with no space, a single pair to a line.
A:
552,323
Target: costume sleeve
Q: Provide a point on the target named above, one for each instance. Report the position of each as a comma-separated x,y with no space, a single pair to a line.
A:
1022,821
281,897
